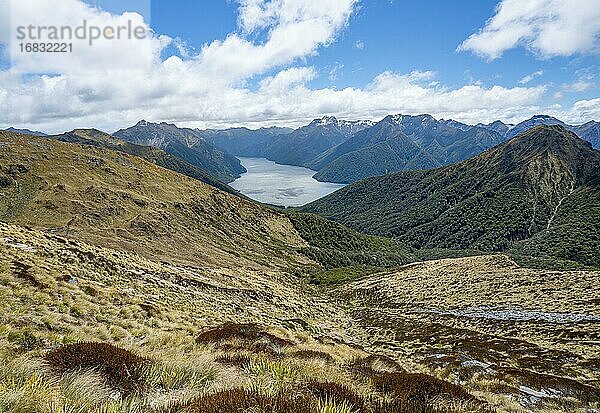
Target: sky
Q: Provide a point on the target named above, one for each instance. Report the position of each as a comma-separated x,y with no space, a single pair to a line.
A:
253,63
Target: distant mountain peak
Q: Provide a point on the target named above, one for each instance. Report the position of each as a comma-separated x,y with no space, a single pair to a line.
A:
400,118
333,121
543,117
395,119
324,121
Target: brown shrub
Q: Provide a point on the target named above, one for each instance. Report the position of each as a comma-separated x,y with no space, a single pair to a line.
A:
122,369
419,387
244,332
303,399
239,400
402,406
23,272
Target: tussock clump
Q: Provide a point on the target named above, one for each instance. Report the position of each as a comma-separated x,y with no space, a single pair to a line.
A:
311,354
244,332
25,339
314,398
6,181
417,387
122,369
239,360
239,400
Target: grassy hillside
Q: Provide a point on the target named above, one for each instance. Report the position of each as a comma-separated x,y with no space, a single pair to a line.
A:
118,200
110,331
492,202
485,319
155,155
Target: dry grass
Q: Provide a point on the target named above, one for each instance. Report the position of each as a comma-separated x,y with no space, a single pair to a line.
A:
158,311
114,199
511,334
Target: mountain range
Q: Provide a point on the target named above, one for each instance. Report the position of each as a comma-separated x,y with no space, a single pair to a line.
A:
301,146
527,194
243,141
339,151
346,151
589,131
187,144
401,142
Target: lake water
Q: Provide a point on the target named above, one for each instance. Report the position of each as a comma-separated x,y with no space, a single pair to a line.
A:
283,185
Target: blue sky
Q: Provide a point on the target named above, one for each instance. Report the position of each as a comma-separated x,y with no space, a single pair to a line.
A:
373,57
399,36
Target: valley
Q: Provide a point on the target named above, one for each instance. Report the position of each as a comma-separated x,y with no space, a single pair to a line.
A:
104,241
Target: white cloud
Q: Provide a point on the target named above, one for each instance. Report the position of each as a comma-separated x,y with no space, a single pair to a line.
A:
547,27
104,55
360,45
578,86
296,29
585,80
215,86
335,71
528,78
582,111
287,79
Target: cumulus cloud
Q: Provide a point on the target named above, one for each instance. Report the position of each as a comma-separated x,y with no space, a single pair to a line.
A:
235,81
584,110
68,19
296,29
547,27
